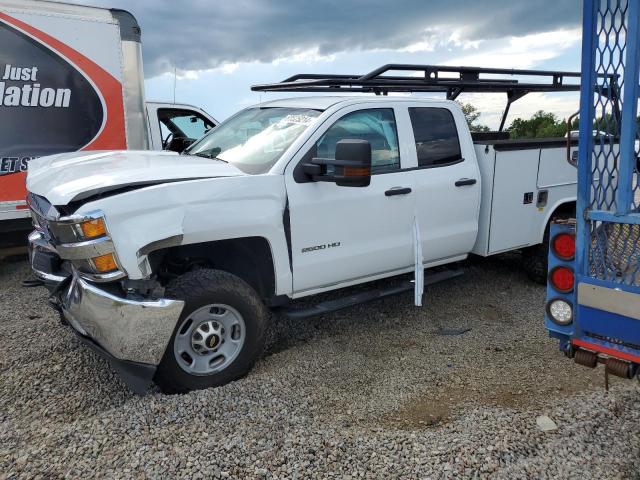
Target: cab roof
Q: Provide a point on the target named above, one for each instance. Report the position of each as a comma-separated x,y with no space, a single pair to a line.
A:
326,101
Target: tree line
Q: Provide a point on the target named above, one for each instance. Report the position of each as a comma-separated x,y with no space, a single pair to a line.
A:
540,125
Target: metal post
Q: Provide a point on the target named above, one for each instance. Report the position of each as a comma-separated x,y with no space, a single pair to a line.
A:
585,174
624,191
504,115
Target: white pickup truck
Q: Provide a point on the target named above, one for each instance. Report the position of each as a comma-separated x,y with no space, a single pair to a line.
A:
168,264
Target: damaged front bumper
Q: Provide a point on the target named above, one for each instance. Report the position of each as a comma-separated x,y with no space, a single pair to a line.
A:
132,334
130,330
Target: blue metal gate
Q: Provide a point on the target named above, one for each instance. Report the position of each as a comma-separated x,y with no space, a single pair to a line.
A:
599,320
609,192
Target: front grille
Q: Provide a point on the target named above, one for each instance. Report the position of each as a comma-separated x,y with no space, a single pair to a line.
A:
47,262
41,224
61,235
44,216
42,207
41,210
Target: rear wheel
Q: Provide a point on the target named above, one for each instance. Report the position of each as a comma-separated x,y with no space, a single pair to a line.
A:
220,333
535,260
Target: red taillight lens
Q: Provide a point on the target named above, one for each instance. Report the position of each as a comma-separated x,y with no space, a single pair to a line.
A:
562,279
563,246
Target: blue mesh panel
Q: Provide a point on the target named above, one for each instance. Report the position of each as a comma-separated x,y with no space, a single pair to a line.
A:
614,246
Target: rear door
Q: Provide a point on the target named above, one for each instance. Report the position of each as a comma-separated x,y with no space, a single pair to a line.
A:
346,234
447,182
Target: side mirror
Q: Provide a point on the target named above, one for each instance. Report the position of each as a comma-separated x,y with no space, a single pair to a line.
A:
572,158
350,168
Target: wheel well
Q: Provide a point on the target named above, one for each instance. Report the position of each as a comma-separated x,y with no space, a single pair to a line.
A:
248,258
565,210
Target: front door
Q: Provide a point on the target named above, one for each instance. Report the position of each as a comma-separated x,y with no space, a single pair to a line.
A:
344,234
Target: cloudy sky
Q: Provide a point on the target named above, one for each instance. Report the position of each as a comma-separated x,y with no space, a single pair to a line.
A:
219,48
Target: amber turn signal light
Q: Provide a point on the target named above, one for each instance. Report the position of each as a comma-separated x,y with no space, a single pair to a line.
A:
357,171
93,228
105,263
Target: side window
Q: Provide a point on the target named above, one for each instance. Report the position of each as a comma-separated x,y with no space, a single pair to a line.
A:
377,126
434,130
182,123
192,125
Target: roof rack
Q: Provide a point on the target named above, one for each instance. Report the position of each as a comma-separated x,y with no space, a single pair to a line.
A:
432,78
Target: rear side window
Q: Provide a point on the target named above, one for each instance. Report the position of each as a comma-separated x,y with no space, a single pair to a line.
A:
436,137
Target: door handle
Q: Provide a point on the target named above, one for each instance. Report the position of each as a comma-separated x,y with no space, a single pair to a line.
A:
397,191
466,181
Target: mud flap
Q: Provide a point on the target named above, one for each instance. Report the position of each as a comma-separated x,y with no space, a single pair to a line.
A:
419,264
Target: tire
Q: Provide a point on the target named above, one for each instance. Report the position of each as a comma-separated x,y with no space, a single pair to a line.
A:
535,260
211,298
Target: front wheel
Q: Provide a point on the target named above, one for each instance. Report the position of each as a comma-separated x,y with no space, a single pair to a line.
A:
220,333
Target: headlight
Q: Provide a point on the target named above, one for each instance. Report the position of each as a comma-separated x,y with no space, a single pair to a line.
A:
93,228
92,253
81,239
560,311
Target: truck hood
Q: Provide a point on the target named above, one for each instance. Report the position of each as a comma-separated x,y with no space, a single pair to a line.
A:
76,176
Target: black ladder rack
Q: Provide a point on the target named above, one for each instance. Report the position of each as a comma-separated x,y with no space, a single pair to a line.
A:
433,78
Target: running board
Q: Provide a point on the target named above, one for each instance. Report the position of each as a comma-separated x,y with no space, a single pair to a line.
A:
368,296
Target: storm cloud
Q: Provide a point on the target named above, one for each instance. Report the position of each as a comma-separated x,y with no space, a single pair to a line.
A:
200,34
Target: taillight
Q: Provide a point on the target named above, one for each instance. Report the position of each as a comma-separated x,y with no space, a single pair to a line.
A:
562,279
563,246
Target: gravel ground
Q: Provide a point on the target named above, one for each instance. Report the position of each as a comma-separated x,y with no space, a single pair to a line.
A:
370,392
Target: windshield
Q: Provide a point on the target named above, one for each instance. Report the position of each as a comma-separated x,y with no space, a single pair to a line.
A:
256,138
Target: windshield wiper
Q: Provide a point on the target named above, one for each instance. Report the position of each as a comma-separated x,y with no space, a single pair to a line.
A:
205,155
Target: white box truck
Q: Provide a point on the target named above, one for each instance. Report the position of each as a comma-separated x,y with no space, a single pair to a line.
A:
71,79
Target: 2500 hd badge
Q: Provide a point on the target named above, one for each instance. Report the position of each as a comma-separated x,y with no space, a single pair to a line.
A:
321,247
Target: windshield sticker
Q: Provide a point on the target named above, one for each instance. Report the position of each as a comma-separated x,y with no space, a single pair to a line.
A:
296,120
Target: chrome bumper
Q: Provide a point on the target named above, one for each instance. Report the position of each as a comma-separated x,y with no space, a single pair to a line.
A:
37,243
51,278
132,335
134,331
